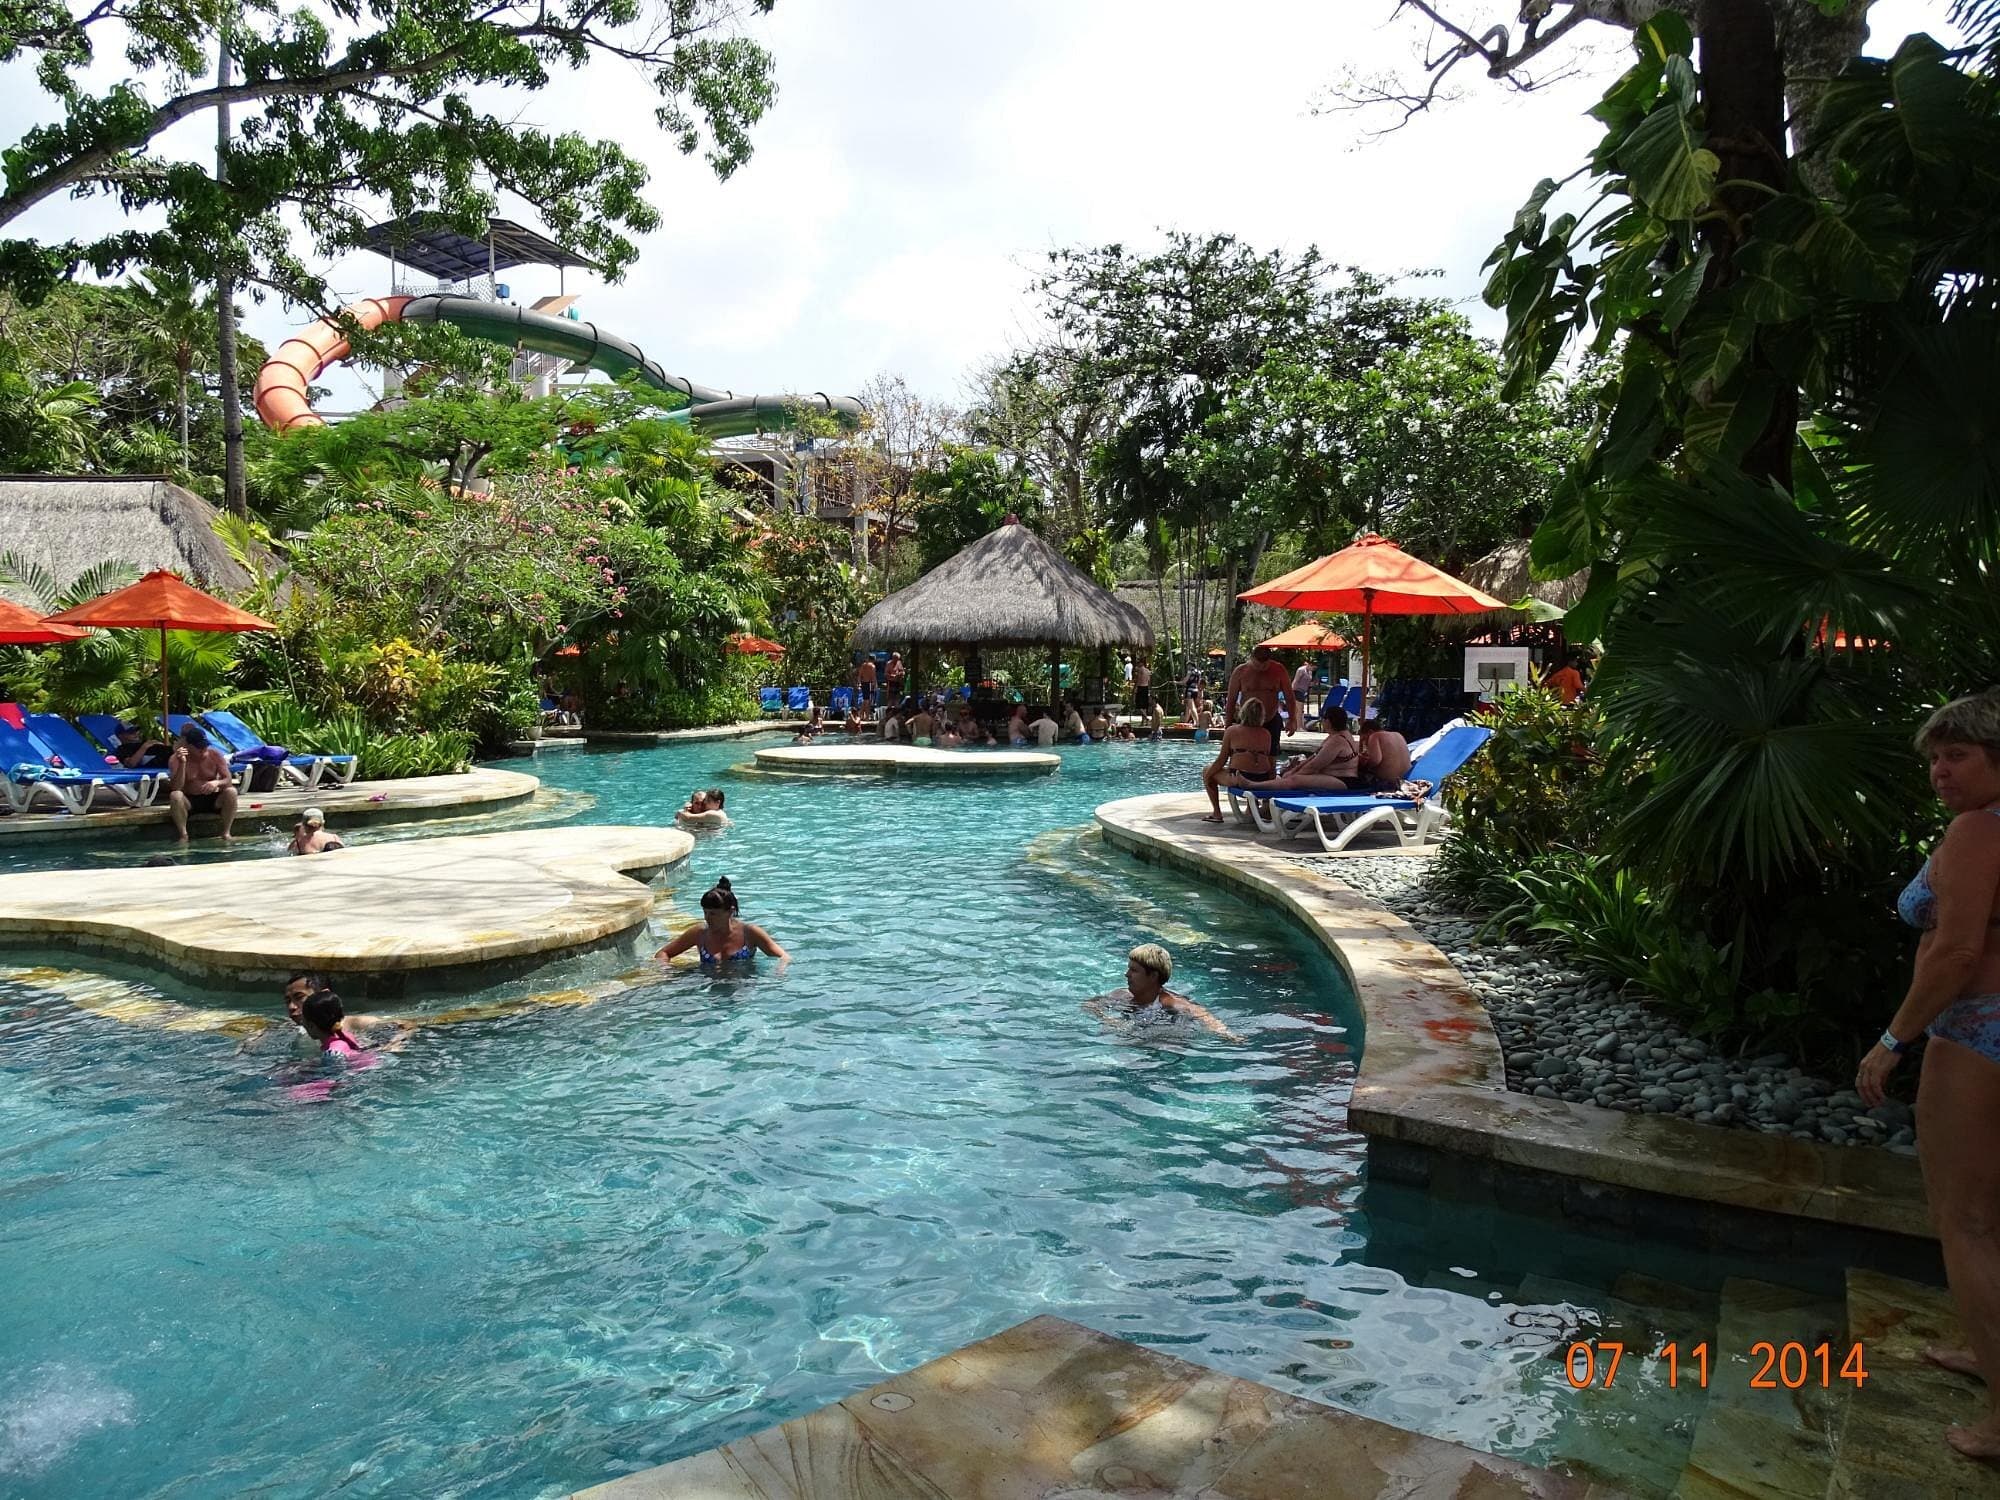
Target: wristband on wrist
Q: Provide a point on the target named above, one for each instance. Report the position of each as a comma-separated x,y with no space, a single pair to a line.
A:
1888,1043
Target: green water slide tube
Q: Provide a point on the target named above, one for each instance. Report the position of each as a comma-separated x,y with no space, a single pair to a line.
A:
712,412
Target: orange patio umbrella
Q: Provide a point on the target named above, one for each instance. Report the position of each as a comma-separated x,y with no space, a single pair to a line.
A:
161,601
754,645
21,626
1307,637
1374,576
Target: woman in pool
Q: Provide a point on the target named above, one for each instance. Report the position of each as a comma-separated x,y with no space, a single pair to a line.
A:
704,810
1954,997
1146,1000
721,936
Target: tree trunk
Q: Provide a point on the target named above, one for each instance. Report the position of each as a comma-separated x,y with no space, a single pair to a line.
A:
184,414
1743,91
235,494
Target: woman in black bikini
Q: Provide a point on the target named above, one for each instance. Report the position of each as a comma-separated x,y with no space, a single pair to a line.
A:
1245,758
721,936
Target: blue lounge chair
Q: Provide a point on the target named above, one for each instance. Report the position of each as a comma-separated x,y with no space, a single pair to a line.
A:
840,700
35,768
771,700
312,770
798,700
1414,820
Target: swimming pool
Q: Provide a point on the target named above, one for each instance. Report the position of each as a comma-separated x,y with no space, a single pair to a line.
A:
545,1245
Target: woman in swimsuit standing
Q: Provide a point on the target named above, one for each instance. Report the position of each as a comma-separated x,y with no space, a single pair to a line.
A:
721,936
1245,757
1954,996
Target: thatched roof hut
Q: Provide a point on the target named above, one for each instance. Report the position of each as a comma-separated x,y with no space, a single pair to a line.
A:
69,524
1505,574
1009,588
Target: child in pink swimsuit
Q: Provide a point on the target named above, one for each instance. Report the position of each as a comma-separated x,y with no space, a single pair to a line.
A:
321,1014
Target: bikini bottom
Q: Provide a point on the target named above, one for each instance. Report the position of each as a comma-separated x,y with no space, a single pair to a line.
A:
1973,1022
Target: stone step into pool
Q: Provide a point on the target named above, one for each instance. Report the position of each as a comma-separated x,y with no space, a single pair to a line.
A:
1053,1410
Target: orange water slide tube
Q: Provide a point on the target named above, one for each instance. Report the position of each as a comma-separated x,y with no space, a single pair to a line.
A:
281,396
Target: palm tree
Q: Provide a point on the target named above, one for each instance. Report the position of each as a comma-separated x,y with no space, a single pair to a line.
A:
177,323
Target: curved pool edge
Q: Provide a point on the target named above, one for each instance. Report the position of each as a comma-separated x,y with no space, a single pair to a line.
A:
412,799
1432,1077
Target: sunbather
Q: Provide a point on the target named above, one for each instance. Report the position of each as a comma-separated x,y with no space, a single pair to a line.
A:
138,750
200,781
1244,758
1334,767
1385,758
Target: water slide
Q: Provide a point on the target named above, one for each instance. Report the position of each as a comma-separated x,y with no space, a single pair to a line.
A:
283,384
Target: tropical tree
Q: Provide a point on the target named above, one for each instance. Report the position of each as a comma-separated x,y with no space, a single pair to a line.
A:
333,106
1747,565
176,321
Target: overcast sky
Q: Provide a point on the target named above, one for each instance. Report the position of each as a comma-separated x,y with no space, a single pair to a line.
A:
923,158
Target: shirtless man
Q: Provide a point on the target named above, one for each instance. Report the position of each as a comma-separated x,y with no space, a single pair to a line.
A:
864,680
1334,767
1146,997
200,781
1385,758
1044,730
1262,679
921,725
1244,759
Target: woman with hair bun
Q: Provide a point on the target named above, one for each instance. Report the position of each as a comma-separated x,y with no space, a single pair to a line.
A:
723,937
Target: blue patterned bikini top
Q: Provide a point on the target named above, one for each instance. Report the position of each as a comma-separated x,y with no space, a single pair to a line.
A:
1917,906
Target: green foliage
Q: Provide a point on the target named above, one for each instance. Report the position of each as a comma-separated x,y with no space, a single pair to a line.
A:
970,495
1540,783
102,379
382,756
1729,554
417,104
813,595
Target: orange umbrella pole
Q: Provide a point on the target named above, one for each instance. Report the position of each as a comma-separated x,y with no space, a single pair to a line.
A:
1367,641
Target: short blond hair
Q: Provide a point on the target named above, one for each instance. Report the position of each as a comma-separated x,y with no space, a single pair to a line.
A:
1251,713
1971,720
1155,959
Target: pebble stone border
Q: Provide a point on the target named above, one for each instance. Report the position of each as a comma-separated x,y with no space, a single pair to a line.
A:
1567,1035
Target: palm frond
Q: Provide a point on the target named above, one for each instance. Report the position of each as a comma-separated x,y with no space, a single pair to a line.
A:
100,578
32,579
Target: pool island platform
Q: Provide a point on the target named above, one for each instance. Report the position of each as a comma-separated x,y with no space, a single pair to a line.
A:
891,759
1051,1408
446,911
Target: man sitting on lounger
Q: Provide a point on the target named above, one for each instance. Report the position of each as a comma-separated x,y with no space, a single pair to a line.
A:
1385,758
1334,767
199,780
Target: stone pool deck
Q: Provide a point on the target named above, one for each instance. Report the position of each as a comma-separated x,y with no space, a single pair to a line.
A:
444,909
1432,1094
411,799
1051,1410
892,759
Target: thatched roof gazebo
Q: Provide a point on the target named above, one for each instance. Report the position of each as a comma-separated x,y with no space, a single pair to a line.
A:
1009,588
71,524
1505,574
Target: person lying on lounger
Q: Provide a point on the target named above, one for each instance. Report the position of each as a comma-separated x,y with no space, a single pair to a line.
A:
1334,767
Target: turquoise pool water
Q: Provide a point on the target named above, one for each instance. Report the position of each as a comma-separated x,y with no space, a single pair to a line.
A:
542,1246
